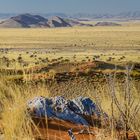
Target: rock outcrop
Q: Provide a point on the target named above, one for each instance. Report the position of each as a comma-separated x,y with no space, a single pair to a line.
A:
72,118
81,110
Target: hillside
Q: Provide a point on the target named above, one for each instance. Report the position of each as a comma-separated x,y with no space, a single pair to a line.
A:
107,24
57,22
24,20
29,21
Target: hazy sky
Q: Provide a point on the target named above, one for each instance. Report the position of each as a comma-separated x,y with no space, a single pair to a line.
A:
68,6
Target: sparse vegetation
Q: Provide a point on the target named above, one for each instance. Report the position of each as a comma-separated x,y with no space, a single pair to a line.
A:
70,62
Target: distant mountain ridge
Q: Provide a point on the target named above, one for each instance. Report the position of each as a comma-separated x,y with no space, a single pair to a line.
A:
37,21
123,15
107,24
29,21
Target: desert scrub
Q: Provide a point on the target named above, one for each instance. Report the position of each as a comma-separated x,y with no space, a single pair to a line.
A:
125,99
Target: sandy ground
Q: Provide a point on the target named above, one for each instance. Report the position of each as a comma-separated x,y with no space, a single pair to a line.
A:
58,130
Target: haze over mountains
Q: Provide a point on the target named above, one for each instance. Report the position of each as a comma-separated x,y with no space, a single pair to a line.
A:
52,20
123,15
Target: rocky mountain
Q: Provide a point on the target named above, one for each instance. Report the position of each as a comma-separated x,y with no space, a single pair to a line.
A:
24,20
107,24
76,22
29,21
57,22
11,24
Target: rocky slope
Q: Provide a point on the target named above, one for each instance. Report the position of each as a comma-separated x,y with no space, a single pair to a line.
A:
25,20
30,21
107,24
57,22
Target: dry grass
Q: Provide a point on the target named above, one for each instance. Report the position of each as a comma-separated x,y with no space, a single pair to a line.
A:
62,42
15,119
14,97
126,37
106,42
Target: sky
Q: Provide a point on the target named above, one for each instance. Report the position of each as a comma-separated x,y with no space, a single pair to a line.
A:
68,6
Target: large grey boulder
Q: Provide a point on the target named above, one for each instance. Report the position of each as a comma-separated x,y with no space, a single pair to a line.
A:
61,108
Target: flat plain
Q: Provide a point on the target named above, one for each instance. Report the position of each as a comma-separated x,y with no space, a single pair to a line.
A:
80,41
